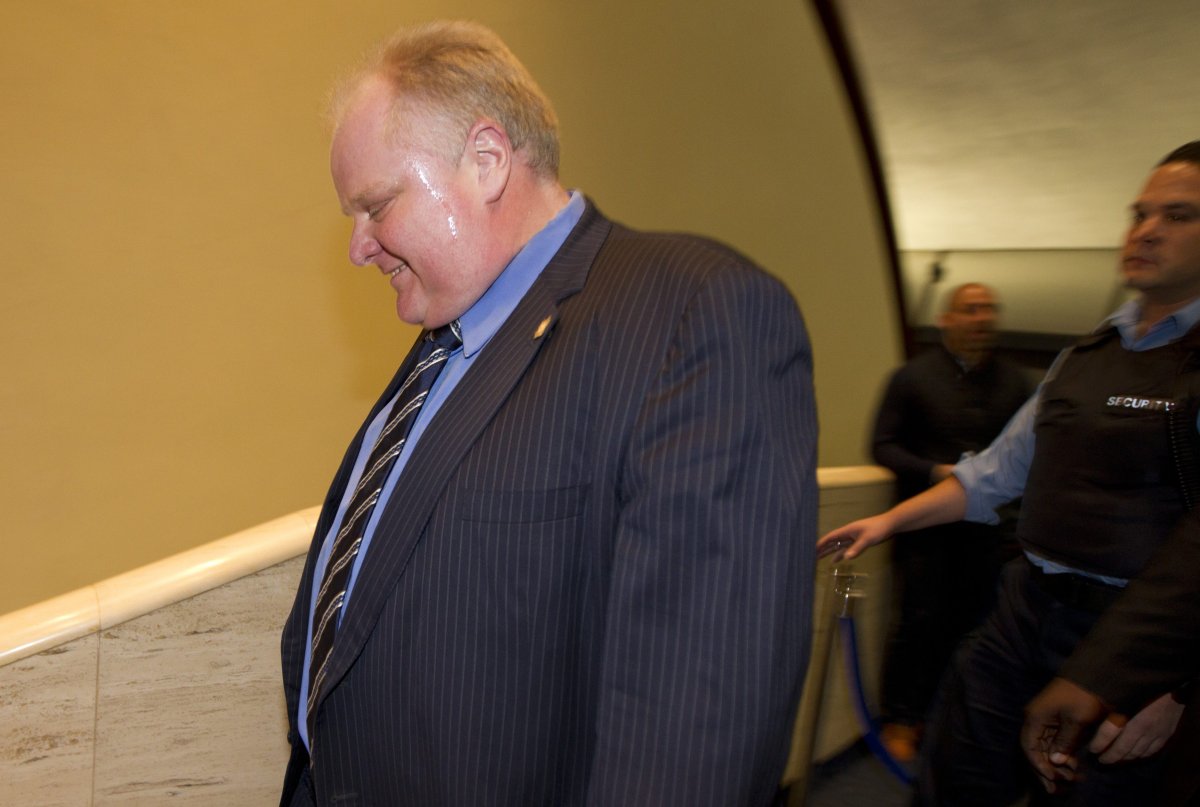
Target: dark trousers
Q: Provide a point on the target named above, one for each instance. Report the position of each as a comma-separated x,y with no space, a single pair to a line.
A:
945,584
1181,766
972,755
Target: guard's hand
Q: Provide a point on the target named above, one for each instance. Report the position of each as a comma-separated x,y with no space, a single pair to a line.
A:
1143,736
1055,722
848,542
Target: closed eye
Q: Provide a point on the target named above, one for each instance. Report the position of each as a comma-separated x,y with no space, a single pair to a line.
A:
376,211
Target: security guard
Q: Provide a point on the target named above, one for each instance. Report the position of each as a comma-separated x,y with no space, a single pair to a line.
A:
1103,486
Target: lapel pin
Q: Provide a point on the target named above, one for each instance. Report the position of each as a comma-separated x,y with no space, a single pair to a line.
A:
542,327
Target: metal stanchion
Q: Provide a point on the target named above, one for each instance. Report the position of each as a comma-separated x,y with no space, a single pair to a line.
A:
846,584
827,607
833,616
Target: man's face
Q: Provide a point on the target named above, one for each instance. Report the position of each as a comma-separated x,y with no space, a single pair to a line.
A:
1161,257
969,325
416,217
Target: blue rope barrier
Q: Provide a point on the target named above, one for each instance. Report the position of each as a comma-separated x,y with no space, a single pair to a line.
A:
854,670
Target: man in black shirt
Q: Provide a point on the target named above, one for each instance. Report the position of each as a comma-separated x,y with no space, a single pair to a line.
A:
947,402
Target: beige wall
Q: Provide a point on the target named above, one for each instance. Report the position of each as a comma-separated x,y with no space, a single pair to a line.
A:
186,349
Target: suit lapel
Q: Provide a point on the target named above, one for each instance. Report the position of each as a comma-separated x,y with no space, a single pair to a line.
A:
457,425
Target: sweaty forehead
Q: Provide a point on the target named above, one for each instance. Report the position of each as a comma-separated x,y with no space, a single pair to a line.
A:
364,160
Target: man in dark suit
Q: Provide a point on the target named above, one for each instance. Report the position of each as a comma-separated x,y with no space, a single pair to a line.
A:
586,579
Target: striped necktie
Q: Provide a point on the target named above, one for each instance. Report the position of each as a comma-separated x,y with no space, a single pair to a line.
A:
435,347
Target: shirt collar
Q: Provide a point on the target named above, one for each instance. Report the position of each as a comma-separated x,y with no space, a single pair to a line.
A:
1166,330
484,318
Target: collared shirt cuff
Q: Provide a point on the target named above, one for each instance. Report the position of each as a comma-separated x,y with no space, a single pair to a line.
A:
978,509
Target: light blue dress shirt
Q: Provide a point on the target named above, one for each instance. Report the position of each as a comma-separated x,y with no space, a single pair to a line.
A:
997,475
479,324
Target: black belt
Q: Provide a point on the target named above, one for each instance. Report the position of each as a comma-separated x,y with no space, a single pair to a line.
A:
1075,590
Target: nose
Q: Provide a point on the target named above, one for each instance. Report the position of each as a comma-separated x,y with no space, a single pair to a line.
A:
363,246
1144,230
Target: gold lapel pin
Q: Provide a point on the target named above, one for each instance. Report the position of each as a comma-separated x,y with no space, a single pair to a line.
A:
541,329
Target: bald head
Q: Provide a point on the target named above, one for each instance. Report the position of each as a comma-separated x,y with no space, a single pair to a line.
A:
968,322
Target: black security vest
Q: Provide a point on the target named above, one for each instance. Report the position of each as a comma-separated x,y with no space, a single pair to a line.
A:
1103,490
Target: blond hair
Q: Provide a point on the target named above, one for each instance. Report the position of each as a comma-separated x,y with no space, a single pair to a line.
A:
461,72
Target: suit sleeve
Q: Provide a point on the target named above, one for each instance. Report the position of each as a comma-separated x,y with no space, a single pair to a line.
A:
709,611
1146,643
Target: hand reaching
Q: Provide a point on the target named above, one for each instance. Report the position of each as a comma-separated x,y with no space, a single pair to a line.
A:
849,541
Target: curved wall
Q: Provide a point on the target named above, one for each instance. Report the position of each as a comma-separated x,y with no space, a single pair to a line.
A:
185,348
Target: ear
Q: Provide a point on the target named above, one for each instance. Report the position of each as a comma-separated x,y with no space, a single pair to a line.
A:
490,151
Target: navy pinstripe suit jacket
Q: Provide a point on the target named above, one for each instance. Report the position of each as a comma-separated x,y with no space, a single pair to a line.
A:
593,583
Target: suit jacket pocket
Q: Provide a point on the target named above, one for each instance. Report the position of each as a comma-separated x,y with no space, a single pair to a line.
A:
524,506
519,553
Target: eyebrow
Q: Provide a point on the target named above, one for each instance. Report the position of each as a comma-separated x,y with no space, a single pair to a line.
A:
1170,207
